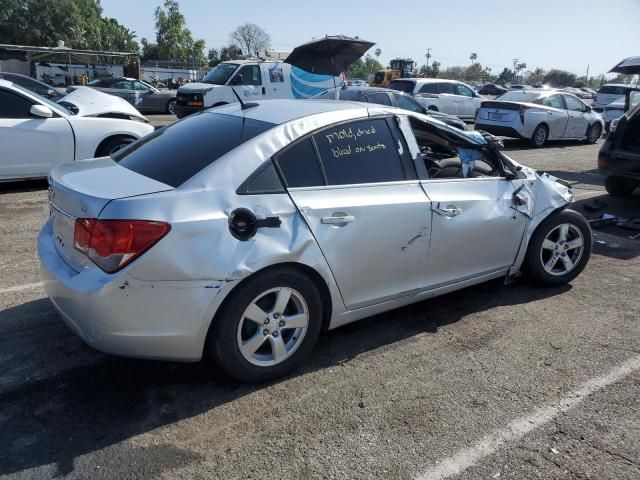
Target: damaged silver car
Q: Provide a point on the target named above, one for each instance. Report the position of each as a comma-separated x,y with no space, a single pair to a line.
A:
240,233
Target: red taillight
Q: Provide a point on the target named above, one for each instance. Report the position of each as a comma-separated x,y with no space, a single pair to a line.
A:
603,160
113,244
522,110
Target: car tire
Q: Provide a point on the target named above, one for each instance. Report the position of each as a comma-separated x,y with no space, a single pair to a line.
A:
112,145
594,132
266,336
540,136
559,248
171,106
618,186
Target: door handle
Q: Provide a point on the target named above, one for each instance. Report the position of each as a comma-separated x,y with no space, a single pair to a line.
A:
450,211
264,91
337,219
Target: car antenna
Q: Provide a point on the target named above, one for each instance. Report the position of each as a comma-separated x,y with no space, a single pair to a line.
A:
243,106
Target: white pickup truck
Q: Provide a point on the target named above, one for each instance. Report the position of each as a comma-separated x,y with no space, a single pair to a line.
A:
446,96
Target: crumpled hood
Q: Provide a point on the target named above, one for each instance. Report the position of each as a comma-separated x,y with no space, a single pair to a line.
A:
196,87
92,103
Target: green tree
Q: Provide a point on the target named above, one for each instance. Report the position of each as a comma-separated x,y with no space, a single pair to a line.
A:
174,38
79,23
536,76
505,76
432,71
454,73
149,51
473,57
559,78
363,68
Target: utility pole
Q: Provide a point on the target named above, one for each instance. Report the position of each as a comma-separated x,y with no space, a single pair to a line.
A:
428,55
587,77
515,63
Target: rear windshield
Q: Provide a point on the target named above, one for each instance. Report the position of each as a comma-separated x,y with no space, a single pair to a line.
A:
519,96
405,86
612,90
174,154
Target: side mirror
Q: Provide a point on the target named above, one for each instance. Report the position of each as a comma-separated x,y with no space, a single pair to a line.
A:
41,111
51,93
237,80
587,108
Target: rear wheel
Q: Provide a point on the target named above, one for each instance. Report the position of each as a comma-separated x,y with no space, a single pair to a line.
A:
268,327
559,249
540,136
593,133
112,145
171,106
619,187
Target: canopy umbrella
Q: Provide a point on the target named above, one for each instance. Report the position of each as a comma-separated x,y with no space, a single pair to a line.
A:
330,55
628,66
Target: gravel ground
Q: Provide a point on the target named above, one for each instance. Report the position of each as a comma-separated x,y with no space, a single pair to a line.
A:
493,381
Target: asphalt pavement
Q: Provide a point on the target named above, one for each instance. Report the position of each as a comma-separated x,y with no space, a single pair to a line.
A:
495,381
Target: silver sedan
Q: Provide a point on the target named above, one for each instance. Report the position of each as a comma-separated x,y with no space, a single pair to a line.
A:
239,234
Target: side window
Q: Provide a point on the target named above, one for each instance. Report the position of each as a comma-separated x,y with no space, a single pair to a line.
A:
554,101
463,90
264,180
299,165
445,87
360,152
250,75
573,103
14,106
140,86
429,88
121,85
379,98
407,103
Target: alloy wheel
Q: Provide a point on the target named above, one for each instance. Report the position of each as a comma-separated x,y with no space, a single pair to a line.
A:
540,136
594,133
273,326
172,107
562,249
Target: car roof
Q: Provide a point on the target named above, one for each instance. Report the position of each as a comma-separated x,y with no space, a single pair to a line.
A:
5,83
429,80
625,85
364,89
279,111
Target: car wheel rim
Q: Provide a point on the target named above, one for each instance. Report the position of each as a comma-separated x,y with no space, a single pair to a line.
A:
595,134
541,135
172,106
273,326
117,147
562,249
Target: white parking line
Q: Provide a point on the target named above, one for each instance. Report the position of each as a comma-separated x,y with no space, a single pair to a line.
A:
520,427
19,288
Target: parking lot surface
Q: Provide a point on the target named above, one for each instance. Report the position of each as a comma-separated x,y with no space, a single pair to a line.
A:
495,381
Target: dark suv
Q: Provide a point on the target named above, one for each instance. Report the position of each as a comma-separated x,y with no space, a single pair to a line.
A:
619,157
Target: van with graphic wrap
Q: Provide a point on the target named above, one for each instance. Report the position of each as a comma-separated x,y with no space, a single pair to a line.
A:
252,80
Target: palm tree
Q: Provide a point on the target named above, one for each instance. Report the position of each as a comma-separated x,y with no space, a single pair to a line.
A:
473,57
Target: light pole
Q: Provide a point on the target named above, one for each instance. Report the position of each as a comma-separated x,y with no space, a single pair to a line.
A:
428,56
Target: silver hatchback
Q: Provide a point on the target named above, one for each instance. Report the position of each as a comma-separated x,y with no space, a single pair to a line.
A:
242,232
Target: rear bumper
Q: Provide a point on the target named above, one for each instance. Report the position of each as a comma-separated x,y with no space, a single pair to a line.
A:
183,111
121,315
499,130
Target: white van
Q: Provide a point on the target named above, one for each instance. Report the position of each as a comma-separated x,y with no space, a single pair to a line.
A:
252,80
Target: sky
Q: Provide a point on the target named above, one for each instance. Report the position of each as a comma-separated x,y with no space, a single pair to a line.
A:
565,34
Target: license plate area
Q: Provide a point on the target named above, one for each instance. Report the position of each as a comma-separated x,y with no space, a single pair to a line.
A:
63,227
497,116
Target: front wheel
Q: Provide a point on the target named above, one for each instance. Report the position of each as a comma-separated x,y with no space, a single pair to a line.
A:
559,249
268,327
171,106
593,133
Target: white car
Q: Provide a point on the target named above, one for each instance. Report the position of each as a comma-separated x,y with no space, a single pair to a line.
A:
446,96
37,134
539,116
609,93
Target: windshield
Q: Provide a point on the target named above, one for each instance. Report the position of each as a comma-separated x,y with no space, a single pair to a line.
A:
220,74
52,105
519,96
